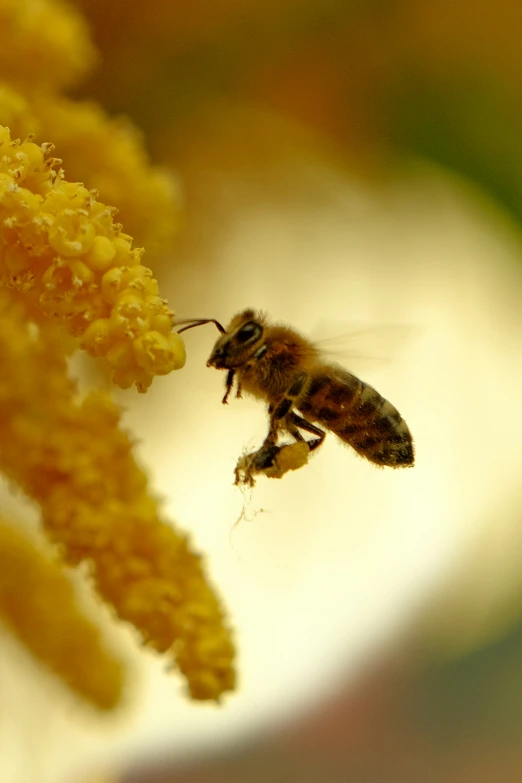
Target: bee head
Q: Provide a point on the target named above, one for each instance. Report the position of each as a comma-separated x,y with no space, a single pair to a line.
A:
240,341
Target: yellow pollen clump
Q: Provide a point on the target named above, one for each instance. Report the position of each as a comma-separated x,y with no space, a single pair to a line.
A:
62,247
291,456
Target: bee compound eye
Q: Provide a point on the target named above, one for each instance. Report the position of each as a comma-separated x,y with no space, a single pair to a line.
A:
247,331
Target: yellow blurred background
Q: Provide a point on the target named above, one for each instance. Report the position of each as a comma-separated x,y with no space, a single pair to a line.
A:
350,167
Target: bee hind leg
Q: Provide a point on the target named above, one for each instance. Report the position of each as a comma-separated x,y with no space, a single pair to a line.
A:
273,460
257,462
281,413
293,431
296,422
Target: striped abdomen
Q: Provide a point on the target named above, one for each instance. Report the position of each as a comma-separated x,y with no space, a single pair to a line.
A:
358,415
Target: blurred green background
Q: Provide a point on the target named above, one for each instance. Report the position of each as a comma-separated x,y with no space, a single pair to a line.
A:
383,79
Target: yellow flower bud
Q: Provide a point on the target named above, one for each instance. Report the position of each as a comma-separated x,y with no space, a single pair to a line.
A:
125,378
162,323
30,156
96,340
121,356
81,271
101,254
159,354
71,237
110,284
122,247
16,259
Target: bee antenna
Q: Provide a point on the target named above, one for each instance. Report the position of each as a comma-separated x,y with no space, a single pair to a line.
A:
192,322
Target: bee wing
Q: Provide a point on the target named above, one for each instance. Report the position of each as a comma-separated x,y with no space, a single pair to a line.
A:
363,345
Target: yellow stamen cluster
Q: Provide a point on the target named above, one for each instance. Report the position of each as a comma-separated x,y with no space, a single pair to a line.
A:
39,605
44,44
60,245
65,262
106,154
73,459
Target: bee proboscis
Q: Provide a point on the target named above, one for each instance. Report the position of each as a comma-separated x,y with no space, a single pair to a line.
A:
276,364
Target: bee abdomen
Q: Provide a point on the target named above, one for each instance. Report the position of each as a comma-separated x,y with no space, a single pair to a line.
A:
361,417
376,430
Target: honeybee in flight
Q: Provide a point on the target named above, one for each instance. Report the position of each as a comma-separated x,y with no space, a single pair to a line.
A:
278,365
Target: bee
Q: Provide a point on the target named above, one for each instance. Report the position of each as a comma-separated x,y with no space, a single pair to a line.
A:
304,394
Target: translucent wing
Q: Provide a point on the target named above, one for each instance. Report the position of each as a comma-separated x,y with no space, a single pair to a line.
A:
354,345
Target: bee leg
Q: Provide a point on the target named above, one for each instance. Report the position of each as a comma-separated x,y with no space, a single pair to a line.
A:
293,431
257,462
228,385
271,438
262,459
280,414
269,458
238,391
303,424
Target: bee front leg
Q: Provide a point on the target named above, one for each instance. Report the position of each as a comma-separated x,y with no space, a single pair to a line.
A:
229,382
